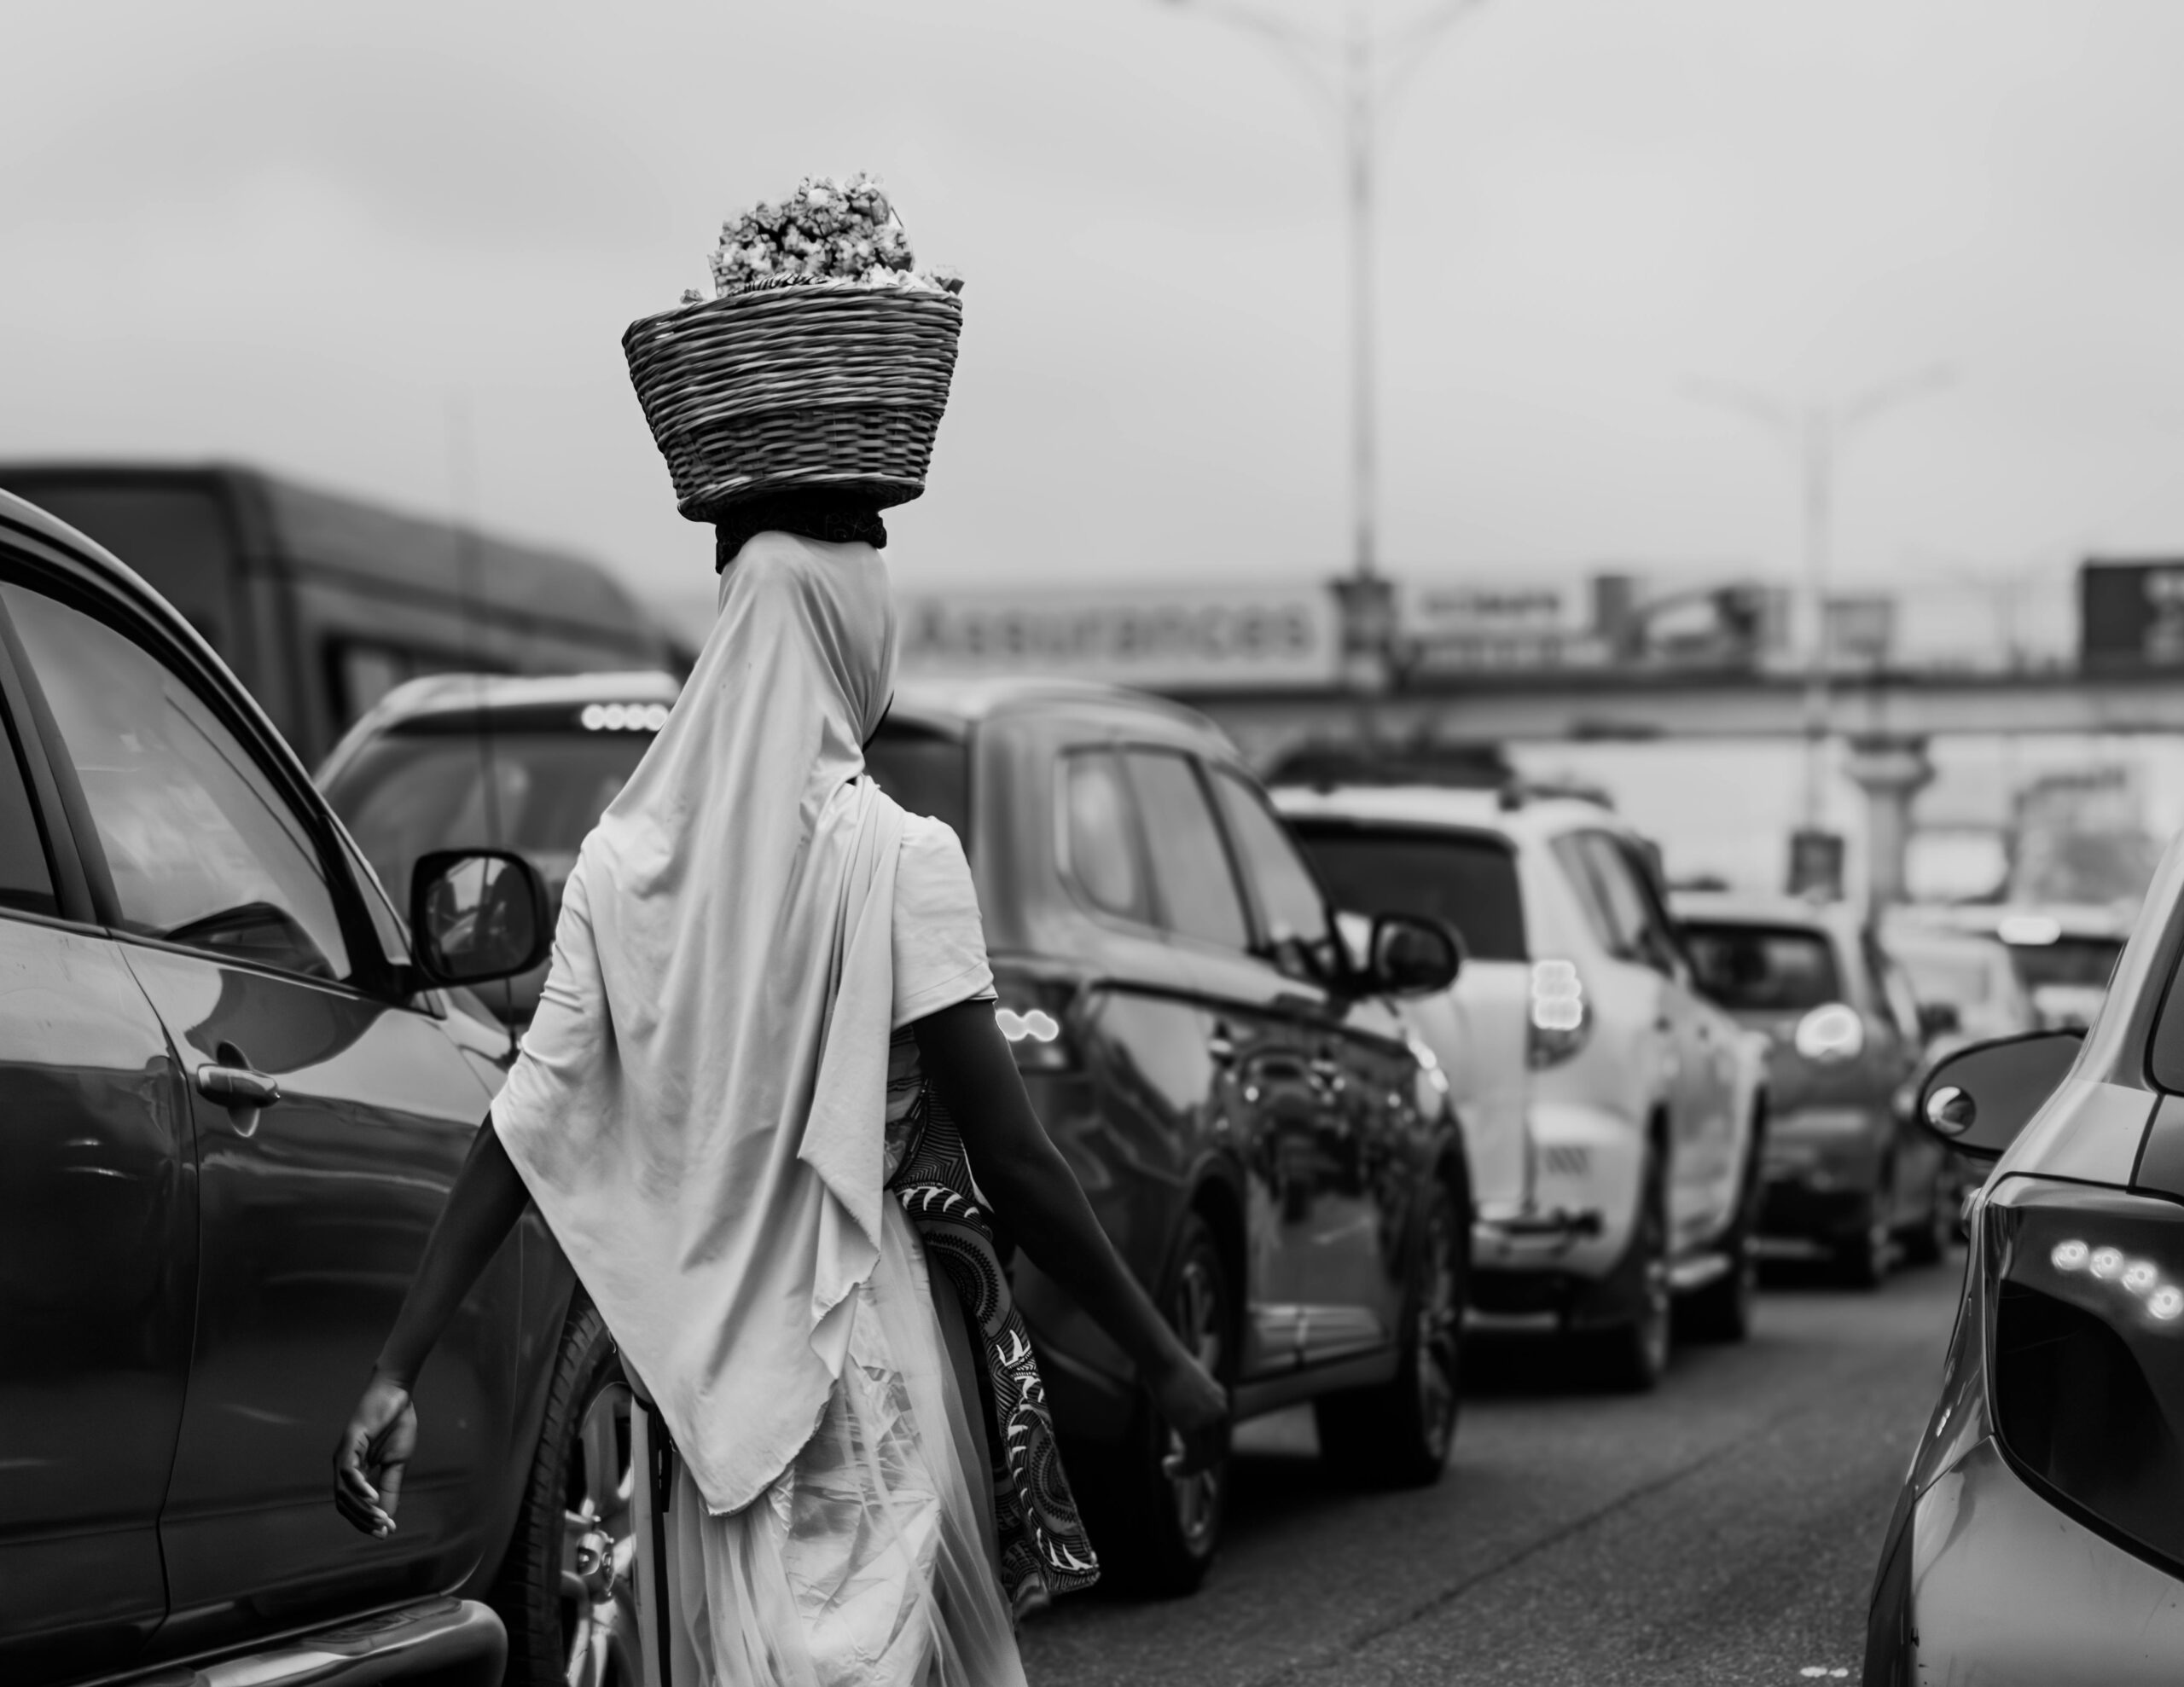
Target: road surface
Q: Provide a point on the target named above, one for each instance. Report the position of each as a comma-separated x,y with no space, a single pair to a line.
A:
1720,1530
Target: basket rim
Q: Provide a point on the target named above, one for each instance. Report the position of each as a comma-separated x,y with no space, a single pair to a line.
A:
807,295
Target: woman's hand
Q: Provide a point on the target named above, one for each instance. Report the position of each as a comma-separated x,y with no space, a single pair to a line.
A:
373,1452
1196,1407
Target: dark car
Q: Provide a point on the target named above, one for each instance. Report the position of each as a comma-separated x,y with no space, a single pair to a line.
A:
1846,1169
231,1103
1245,1112
2039,1536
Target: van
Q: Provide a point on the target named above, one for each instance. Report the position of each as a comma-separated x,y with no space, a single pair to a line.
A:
321,603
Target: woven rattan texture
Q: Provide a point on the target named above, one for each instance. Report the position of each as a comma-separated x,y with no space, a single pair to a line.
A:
796,386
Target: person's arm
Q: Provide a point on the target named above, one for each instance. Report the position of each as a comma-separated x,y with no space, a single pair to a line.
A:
967,1061
488,1198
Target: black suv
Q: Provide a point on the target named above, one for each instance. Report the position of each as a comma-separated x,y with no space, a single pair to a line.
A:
231,1103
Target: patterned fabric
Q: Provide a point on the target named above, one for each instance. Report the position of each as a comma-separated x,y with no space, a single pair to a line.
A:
1044,1548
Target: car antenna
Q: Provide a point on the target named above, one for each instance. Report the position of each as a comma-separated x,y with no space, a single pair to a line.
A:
470,594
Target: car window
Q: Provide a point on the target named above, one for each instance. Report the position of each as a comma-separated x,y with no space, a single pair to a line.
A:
1468,881
1763,969
202,847
1569,853
1293,908
1099,833
26,870
1198,896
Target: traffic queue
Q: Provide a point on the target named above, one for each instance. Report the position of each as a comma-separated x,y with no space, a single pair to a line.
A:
1349,1072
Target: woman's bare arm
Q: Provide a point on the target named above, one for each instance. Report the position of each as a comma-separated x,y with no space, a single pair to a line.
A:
967,1062
488,1198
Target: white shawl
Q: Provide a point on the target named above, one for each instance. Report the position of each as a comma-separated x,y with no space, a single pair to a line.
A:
697,1108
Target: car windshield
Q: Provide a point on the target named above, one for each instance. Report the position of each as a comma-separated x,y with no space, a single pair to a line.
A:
1763,969
2067,960
1470,882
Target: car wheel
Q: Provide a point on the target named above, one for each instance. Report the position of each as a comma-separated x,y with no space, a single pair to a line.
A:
1398,1434
1929,1241
1721,1311
1155,1535
566,1592
1861,1252
1634,1356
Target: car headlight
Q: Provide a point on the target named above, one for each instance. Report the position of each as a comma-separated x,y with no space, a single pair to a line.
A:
2085,1354
1835,1032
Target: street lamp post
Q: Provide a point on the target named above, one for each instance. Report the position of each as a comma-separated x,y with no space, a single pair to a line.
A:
1816,431
1356,74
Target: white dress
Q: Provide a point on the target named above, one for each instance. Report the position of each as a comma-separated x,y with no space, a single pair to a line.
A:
870,1560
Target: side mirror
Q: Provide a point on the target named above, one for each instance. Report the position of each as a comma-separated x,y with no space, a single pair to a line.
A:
476,915
1408,956
1980,1098
1938,1019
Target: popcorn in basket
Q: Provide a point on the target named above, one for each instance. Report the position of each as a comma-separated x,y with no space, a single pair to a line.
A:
822,359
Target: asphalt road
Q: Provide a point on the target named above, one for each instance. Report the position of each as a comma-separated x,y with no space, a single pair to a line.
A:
1722,1529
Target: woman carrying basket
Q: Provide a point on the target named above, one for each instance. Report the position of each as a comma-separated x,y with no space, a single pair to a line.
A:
763,1070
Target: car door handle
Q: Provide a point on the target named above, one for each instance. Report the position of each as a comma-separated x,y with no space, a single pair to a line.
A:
236,1086
1221,1047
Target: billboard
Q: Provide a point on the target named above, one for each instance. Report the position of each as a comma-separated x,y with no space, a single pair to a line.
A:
2131,614
1167,640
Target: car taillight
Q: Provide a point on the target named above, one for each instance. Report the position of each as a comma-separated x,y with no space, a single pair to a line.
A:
1558,1021
2085,1355
1835,1032
1034,1015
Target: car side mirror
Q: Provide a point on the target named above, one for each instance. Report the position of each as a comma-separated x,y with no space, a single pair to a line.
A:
1980,1098
1938,1019
476,915
1409,956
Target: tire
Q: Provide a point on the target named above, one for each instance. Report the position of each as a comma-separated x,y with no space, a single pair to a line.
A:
566,1592
1928,1242
1634,1356
1398,1434
1156,1535
1861,1253
1721,1311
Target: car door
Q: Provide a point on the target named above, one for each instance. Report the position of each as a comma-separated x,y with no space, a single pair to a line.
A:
1692,1043
217,871
1272,1065
1368,1169
98,1239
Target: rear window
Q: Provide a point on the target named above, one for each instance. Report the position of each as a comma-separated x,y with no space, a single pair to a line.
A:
928,773
1762,968
408,792
1470,882
2067,960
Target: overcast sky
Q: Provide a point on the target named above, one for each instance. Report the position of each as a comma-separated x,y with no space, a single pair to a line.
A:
309,235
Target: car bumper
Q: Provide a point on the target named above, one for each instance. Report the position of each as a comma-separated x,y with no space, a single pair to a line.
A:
1584,1200
2003,1589
1821,1168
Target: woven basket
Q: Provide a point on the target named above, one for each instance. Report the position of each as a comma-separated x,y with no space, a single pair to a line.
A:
787,386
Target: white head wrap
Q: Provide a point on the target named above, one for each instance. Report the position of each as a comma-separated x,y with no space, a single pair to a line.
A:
697,1108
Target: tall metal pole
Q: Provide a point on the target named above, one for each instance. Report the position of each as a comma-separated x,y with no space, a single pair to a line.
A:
1364,395
1818,451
